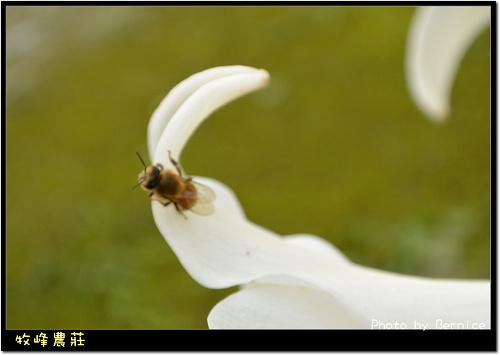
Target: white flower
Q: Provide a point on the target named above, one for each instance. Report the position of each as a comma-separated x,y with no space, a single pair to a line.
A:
293,282
437,41
343,295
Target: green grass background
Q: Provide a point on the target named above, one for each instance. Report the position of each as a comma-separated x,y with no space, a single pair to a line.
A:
334,147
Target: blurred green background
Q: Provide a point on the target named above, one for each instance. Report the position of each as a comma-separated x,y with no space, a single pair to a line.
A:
334,147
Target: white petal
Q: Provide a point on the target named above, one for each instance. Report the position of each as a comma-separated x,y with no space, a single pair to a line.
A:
295,304
457,300
317,245
179,94
437,41
390,298
279,301
282,306
225,249
199,105
370,295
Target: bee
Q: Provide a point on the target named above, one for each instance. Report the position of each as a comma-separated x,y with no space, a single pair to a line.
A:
169,186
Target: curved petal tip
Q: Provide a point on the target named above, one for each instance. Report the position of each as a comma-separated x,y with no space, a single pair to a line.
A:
438,39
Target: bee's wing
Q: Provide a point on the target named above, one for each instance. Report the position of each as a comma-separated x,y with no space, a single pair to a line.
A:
204,192
205,196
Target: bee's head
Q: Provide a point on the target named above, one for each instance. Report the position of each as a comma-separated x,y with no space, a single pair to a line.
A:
148,178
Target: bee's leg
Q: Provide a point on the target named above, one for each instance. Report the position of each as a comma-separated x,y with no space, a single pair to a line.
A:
165,204
179,210
176,165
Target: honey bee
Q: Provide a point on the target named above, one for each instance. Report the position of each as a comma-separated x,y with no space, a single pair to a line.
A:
169,186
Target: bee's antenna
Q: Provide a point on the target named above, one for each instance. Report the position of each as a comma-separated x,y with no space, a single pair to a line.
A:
142,161
133,187
140,182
